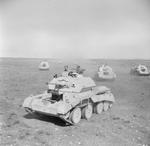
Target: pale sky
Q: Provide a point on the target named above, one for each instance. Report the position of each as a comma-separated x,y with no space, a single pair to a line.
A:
75,28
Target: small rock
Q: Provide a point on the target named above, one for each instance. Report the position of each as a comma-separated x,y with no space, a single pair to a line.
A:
56,129
116,118
142,93
139,137
8,136
70,142
126,121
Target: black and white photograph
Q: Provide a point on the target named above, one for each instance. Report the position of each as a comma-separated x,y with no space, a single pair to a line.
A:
74,72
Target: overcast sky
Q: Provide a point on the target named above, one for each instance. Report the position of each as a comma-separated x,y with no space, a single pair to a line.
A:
75,28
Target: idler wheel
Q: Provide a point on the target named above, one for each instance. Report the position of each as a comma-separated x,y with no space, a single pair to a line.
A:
76,115
87,111
110,105
106,106
99,108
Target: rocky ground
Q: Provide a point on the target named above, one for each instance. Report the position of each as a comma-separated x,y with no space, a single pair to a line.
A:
126,124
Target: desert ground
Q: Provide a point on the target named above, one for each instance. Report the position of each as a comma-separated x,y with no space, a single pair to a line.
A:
126,124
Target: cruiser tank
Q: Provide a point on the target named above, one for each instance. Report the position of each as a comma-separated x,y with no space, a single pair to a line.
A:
71,97
140,70
105,72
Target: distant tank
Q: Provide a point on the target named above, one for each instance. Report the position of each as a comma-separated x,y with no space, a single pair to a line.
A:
44,65
140,70
105,72
71,97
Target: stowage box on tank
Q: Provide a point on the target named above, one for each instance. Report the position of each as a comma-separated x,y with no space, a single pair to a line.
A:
71,97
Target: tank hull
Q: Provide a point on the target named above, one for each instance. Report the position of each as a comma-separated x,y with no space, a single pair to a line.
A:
62,109
102,76
139,73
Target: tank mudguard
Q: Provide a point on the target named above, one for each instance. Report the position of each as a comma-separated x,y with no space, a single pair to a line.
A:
103,97
144,73
100,89
27,102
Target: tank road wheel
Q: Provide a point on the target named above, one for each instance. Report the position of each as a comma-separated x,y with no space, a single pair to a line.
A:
106,106
87,111
76,115
110,105
99,108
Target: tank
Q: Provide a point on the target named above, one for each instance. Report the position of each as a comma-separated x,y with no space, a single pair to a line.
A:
140,70
105,72
44,65
71,97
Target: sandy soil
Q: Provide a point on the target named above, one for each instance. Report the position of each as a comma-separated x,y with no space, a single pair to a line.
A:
126,124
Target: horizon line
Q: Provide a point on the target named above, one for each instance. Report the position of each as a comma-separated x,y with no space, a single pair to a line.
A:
76,58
